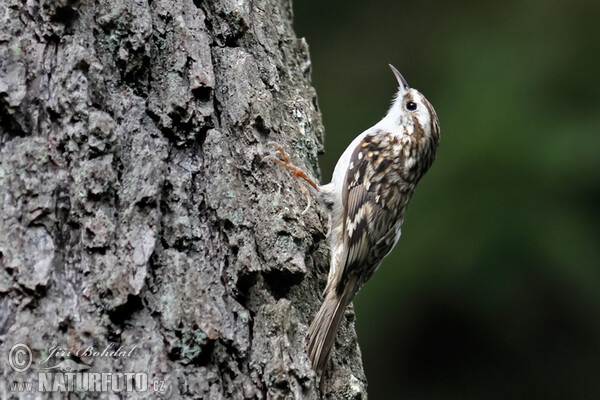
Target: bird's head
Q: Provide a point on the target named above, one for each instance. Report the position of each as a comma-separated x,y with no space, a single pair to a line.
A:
410,109
413,118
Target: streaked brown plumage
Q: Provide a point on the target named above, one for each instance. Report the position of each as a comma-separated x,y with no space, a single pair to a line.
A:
371,187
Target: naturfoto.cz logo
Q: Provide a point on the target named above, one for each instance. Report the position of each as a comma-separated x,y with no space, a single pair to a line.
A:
69,375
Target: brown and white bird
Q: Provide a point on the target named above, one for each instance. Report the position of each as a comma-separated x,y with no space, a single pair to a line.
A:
372,184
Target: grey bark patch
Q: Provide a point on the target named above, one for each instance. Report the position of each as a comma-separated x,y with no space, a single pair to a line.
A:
136,206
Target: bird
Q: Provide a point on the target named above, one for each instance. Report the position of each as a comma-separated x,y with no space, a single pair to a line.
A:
372,184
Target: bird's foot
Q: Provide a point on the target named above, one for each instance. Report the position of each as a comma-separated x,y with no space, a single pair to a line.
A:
285,161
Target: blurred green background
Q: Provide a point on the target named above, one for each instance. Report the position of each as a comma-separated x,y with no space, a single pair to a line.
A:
493,291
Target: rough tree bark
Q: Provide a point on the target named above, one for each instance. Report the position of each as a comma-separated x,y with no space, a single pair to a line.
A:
136,204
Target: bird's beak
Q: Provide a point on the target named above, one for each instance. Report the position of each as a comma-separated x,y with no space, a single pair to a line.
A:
401,81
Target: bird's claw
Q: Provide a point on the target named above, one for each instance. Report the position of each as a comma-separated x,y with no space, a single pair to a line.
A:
285,161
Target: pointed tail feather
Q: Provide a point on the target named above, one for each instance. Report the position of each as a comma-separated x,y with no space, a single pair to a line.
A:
323,329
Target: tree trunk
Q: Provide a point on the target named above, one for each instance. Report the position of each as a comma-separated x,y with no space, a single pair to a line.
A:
137,206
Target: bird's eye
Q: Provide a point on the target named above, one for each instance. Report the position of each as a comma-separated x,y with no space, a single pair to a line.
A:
411,106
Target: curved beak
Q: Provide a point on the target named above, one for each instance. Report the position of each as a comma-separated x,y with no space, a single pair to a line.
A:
401,81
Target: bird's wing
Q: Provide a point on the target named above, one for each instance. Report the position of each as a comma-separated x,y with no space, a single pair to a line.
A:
371,220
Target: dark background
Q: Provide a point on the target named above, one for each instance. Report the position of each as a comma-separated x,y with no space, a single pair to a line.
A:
493,290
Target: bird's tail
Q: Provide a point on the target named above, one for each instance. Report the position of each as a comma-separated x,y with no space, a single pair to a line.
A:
323,329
